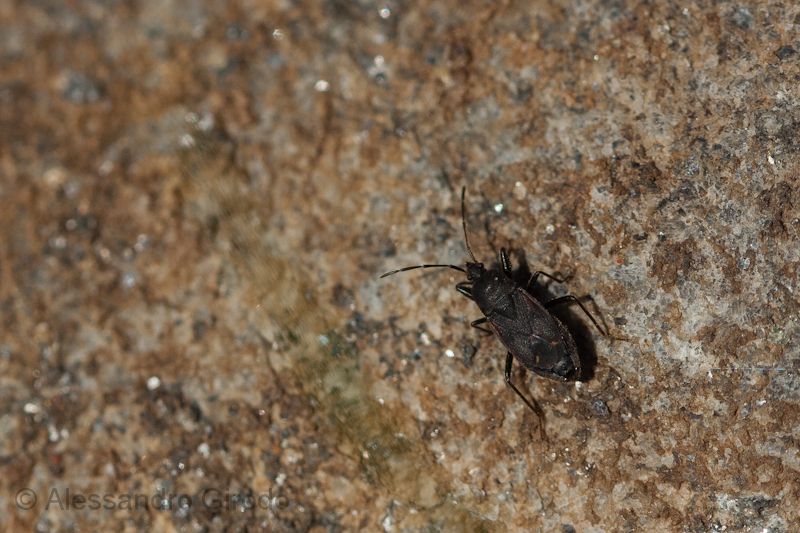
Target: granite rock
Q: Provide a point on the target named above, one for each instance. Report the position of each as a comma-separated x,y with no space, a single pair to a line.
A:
197,199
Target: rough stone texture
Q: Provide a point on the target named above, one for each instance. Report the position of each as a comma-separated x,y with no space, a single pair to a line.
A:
197,201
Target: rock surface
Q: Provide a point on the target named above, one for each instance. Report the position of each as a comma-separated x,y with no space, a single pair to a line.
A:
197,201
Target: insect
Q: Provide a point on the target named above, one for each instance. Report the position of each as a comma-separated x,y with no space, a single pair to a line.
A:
524,325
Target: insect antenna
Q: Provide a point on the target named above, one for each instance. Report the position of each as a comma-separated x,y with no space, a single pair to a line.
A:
454,267
464,225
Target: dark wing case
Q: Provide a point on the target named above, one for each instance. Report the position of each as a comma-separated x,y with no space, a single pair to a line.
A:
529,332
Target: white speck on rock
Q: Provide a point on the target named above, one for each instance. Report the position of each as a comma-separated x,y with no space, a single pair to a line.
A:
128,280
388,523
520,192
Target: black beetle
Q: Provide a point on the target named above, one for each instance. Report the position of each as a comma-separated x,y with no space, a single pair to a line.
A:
525,326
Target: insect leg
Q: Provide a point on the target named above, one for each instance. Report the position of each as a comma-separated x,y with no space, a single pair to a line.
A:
505,262
569,299
531,404
465,288
477,324
536,275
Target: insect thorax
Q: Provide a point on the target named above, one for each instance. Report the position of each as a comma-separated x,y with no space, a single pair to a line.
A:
491,289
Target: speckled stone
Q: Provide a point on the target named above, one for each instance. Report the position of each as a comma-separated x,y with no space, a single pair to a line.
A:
196,200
